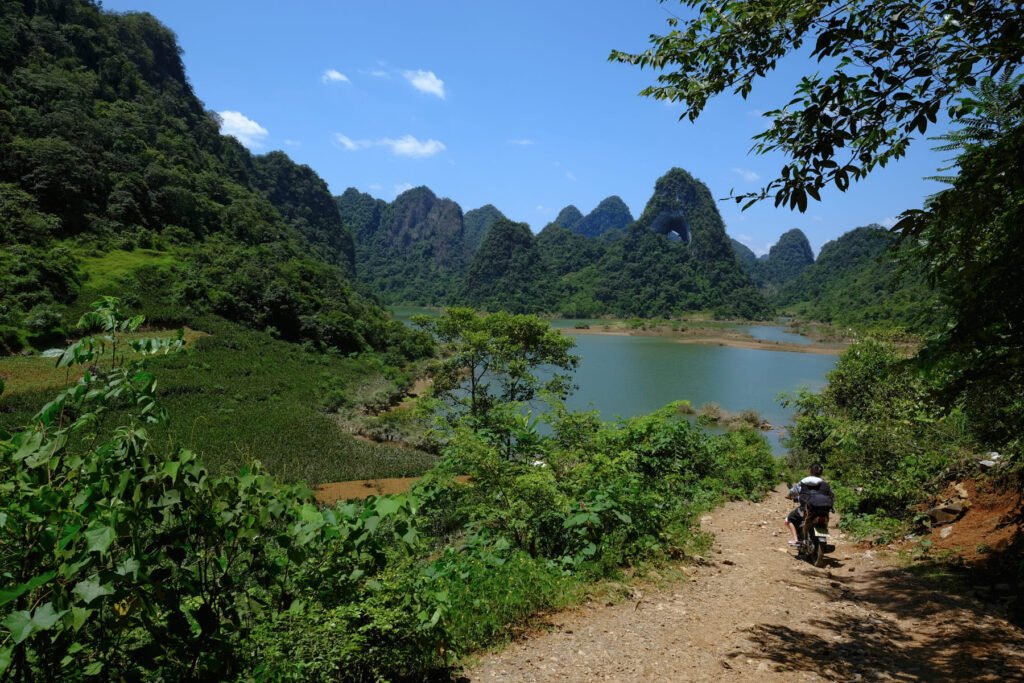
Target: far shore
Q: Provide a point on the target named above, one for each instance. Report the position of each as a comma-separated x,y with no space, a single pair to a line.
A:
712,337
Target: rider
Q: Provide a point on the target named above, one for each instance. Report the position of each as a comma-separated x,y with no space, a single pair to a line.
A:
807,485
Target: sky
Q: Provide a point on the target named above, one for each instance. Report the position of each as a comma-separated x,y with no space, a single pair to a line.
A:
510,104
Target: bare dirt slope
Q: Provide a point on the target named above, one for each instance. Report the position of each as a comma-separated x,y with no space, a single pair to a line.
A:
756,613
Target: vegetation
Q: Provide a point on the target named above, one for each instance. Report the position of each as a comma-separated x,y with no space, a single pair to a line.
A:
864,280
970,242
893,429
508,272
675,259
239,396
491,361
411,251
886,440
125,559
478,222
610,214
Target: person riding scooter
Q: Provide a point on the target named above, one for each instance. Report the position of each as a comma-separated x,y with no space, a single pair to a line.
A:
801,493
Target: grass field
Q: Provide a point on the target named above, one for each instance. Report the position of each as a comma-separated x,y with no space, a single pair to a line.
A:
108,273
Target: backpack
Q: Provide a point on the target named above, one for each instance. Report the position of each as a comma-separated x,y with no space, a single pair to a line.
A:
818,501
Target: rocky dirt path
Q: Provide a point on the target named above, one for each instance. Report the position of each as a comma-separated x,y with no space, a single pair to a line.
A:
754,612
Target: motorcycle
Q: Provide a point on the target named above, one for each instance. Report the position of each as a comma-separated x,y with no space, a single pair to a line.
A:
813,541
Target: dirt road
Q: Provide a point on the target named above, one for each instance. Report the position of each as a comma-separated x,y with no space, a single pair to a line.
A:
756,613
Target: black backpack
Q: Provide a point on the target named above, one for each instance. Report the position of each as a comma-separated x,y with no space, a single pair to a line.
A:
817,501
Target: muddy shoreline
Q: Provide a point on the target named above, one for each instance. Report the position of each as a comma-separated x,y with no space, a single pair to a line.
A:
716,338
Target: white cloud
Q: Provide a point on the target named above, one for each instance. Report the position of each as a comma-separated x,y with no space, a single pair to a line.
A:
890,221
380,73
288,142
402,187
425,81
244,129
405,146
571,176
522,142
408,146
349,144
334,76
747,174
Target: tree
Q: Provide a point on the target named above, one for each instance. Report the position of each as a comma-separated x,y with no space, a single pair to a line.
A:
496,360
970,239
889,68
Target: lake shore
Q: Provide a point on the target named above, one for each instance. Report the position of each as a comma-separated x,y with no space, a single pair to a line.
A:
715,337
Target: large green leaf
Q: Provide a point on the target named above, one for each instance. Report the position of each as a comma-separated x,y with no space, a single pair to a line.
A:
22,623
90,589
100,538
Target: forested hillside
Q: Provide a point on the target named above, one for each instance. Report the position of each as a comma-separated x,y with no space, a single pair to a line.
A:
413,250
105,151
863,278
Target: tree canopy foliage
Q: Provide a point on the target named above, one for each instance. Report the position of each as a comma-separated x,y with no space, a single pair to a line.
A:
886,70
497,360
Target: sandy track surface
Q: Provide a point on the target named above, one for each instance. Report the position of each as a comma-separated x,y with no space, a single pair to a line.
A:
754,612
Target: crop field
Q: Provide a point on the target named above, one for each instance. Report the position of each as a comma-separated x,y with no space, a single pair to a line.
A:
237,396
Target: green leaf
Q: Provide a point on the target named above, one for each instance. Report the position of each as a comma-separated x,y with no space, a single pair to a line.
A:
171,468
79,615
22,624
387,506
99,538
29,445
19,624
90,589
5,658
93,669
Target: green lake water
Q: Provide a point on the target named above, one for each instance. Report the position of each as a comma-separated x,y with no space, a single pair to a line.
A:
623,376
627,376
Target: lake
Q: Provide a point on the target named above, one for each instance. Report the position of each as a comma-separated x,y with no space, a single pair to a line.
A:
626,376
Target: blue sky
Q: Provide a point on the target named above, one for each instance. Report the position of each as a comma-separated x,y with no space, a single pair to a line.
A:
513,104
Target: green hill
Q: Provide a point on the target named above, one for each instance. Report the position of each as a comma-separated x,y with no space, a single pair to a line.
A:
508,272
859,279
611,214
413,250
477,222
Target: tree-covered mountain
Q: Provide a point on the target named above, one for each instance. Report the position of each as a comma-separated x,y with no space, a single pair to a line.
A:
786,259
477,222
412,250
105,151
745,256
862,279
568,217
611,214
676,258
508,272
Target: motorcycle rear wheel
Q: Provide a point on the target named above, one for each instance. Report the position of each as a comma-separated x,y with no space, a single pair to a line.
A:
818,555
